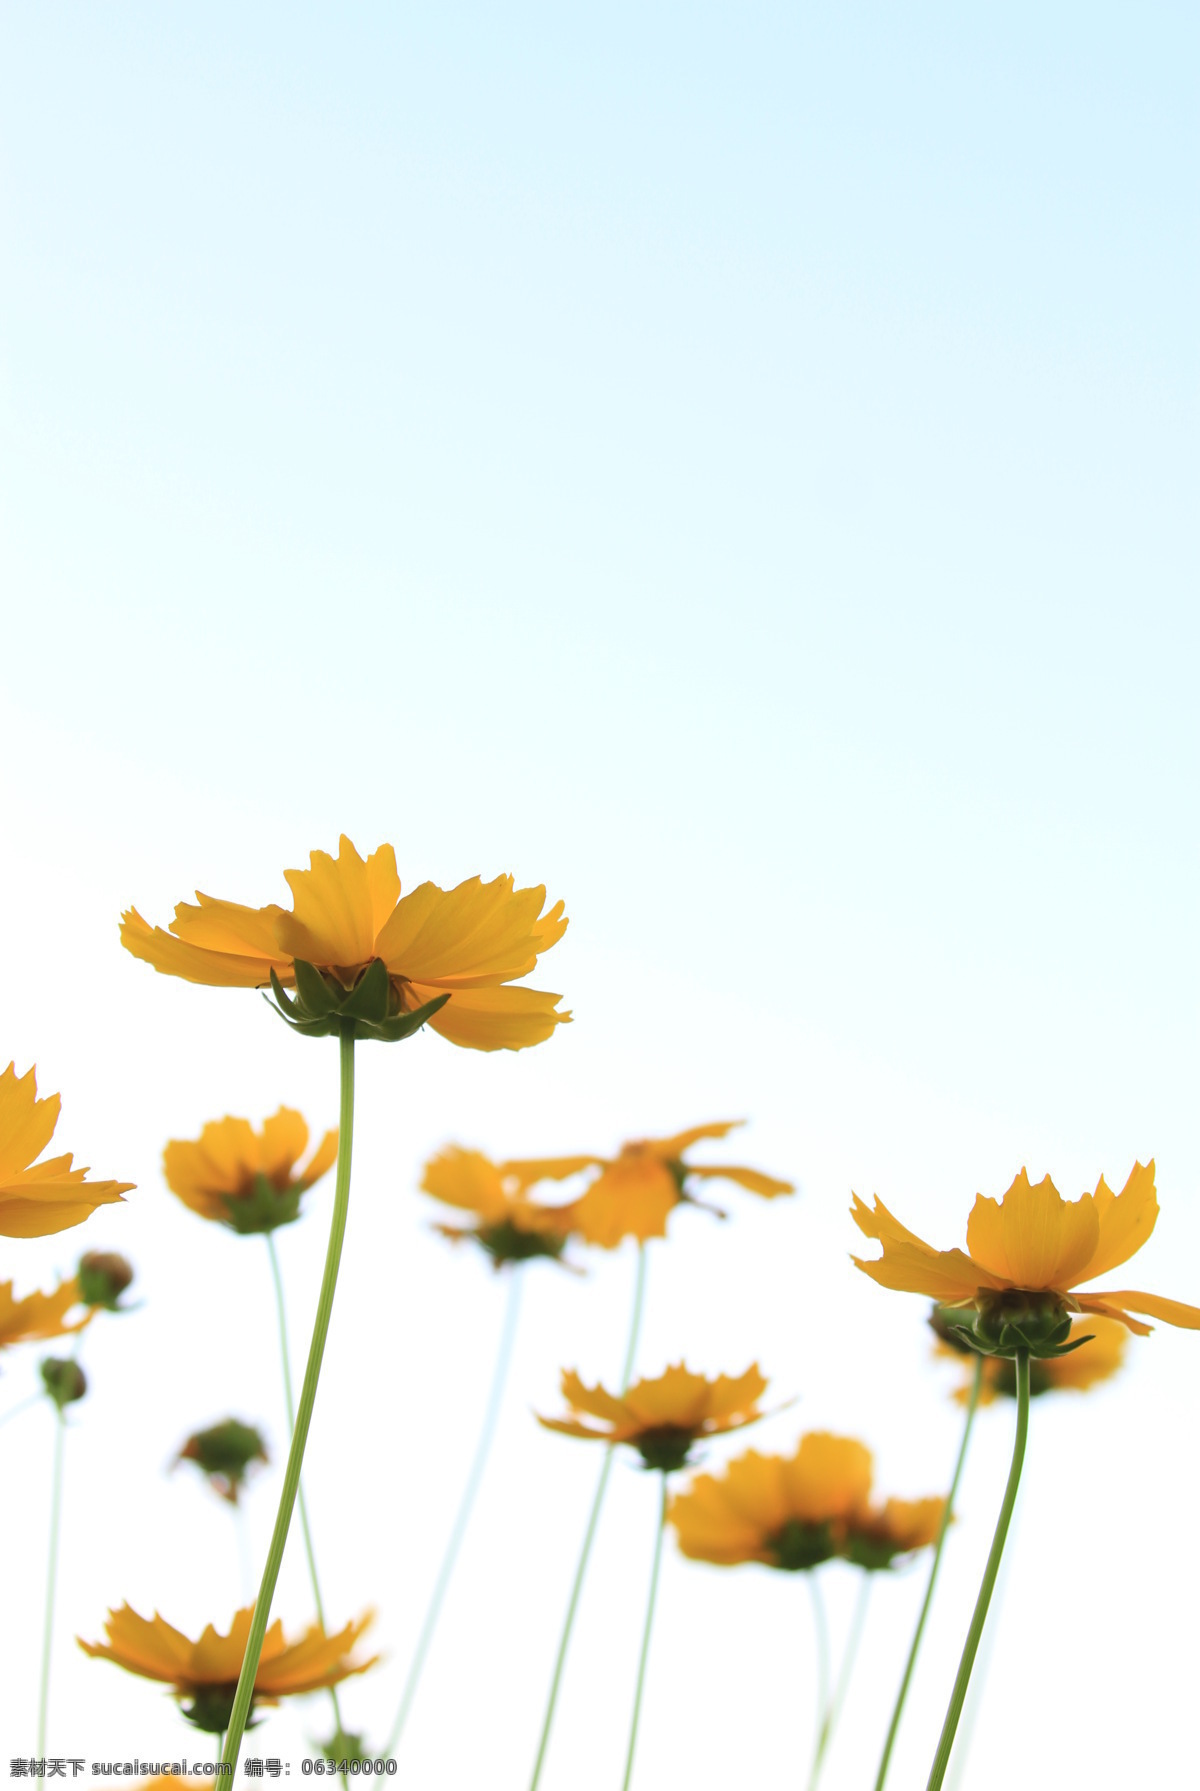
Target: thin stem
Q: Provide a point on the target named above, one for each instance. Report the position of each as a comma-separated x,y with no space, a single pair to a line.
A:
947,1514
942,1758
645,1654
16,1410
834,1707
308,1394
635,1325
474,1477
60,1429
285,1353
821,1626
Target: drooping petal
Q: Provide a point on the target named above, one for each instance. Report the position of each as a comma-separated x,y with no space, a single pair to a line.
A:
526,1172
752,1179
632,1197
468,1180
1120,1303
339,906
829,1477
1033,1237
498,1019
26,1124
909,1265
175,957
1125,1220
230,927
321,1161
670,1150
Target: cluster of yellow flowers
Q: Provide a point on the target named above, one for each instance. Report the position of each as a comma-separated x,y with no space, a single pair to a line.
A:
355,959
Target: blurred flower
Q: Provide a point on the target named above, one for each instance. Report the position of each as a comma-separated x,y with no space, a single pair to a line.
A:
794,1512
1094,1361
458,948
662,1418
103,1277
207,1671
39,1315
511,1228
1028,1252
637,1190
37,1199
63,1379
247,1179
225,1452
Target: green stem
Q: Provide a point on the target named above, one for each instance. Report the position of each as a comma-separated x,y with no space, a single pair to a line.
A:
51,1580
474,1477
833,1708
308,1394
635,1325
285,1352
821,1626
943,1527
942,1758
645,1654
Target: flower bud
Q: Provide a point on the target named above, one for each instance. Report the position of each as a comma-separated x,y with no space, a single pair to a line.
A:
64,1380
103,1278
224,1452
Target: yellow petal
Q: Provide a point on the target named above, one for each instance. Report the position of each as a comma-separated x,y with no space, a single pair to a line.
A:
503,1019
911,1266
1125,1220
594,1400
752,1179
829,1477
195,964
468,1180
526,1172
230,927
26,1124
1033,1237
632,1197
731,1394
1119,1304
339,907
282,1144
677,1398
670,1150
477,935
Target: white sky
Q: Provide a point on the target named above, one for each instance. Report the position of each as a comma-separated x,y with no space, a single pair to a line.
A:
739,472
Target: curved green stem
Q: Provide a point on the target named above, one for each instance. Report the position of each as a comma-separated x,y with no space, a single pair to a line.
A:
833,1708
635,1325
645,1654
285,1353
462,1518
308,1394
942,1758
60,1429
943,1527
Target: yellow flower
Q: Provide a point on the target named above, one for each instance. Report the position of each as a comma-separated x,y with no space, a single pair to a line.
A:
247,1179
37,1199
636,1191
662,1418
794,1512
511,1227
1029,1253
463,945
39,1316
207,1671
1092,1362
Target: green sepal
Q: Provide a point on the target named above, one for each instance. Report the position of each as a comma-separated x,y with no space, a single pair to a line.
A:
665,1449
798,1547
211,1709
370,1010
1007,1321
506,1242
264,1209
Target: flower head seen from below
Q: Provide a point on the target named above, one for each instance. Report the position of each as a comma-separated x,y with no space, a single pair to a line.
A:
104,1275
1097,1358
225,1453
40,1316
206,1672
38,1199
636,1191
1028,1256
796,1512
361,958
246,1179
662,1418
508,1226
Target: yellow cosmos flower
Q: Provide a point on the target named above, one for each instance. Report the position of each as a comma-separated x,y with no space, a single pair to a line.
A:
37,1199
463,946
245,1179
794,1512
511,1227
662,1418
1028,1255
636,1191
207,1671
1086,1366
39,1316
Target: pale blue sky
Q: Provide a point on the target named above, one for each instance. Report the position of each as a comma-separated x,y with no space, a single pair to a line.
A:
735,465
